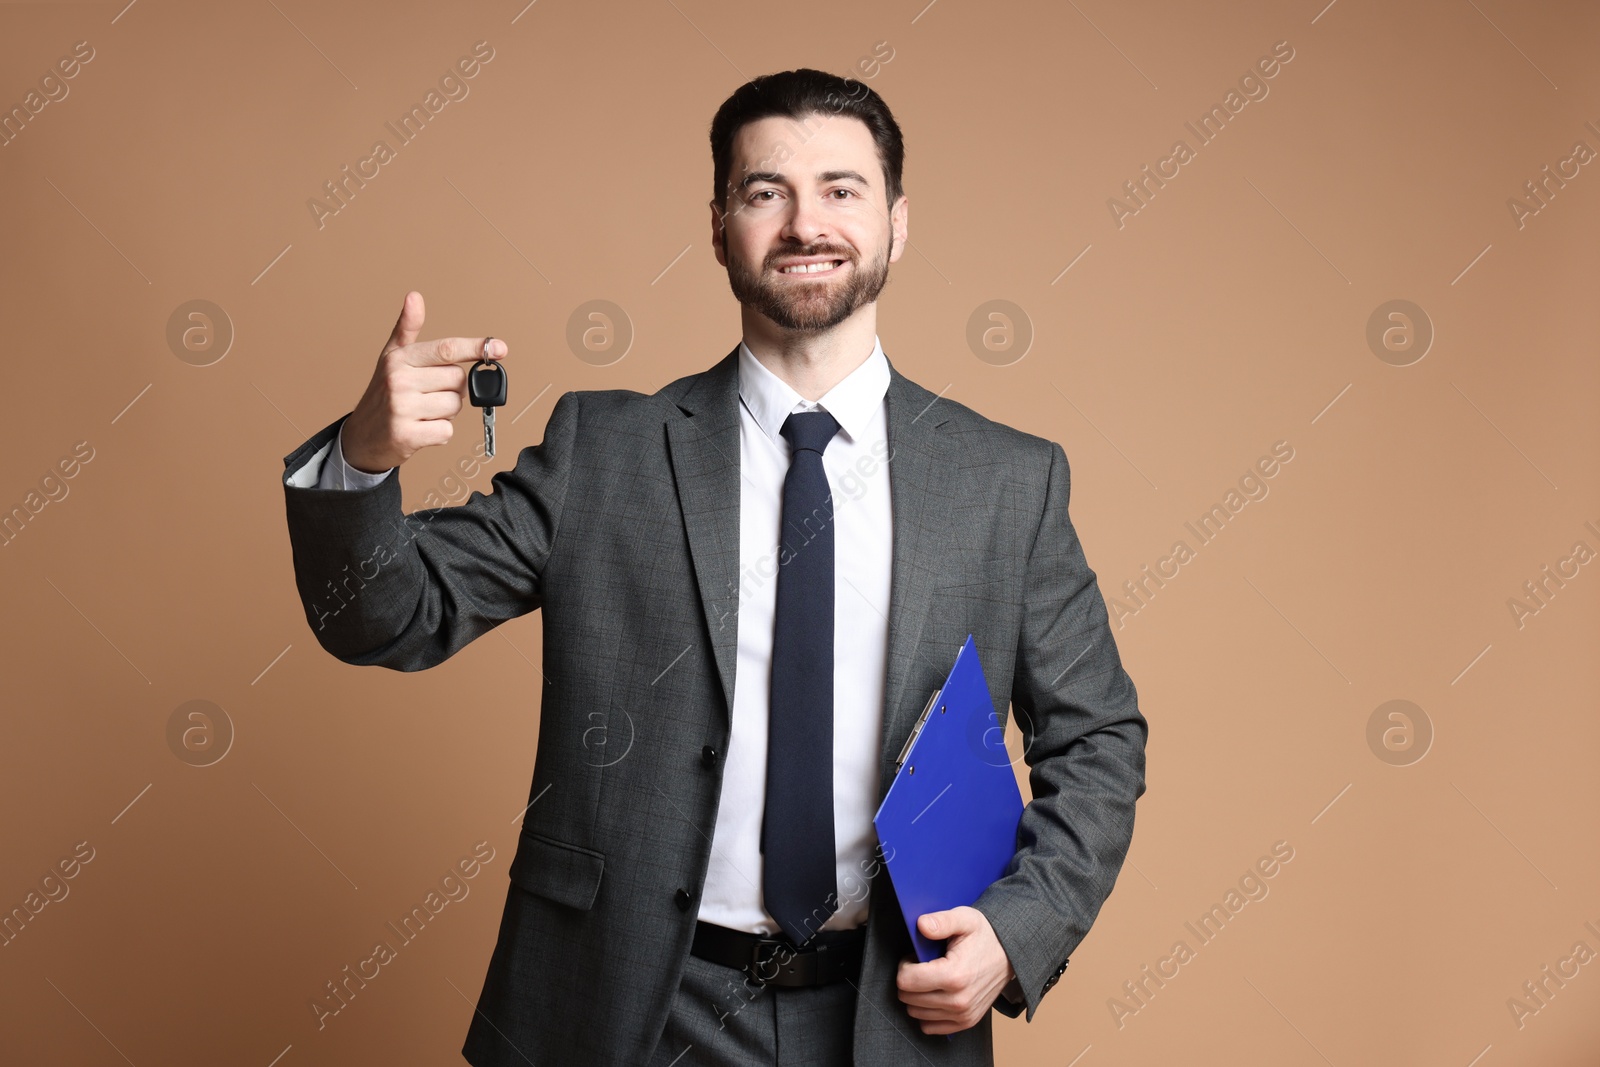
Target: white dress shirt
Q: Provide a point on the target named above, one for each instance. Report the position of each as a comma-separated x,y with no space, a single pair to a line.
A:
858,478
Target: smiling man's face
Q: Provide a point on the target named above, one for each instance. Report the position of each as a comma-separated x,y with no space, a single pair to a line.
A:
808,195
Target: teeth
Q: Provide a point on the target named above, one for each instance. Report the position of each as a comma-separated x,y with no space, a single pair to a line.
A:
811,268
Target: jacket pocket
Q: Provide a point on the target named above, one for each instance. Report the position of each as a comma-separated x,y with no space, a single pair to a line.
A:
555,870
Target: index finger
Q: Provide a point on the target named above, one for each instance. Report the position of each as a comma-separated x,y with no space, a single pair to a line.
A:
914,977
448,350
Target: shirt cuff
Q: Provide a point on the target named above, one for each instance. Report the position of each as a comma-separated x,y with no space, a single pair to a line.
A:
327,469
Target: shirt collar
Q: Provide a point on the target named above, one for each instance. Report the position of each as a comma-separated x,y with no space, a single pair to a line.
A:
853,401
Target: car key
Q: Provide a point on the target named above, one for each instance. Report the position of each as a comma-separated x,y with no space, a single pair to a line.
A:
486,387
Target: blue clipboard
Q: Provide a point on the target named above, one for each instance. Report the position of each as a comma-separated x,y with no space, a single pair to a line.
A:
948,825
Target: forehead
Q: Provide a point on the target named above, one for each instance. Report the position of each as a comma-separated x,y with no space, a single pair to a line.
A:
800,148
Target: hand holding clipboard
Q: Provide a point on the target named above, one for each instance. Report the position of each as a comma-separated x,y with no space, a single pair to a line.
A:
947,826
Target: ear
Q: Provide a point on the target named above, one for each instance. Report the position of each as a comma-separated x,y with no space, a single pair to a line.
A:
899,227
717,234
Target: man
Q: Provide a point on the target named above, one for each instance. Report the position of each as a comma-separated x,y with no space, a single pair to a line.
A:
751,579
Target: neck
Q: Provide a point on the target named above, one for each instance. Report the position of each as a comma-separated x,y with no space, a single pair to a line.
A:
812,361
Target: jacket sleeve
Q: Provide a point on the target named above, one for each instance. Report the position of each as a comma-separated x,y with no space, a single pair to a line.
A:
407,591
1084,740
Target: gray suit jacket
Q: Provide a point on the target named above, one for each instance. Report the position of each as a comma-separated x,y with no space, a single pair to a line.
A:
623,526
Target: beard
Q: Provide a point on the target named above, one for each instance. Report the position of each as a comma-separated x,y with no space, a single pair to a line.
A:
809,305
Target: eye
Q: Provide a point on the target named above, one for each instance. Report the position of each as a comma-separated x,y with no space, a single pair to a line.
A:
763,192
848,192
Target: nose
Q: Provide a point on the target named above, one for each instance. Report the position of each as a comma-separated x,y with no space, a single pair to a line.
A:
804,222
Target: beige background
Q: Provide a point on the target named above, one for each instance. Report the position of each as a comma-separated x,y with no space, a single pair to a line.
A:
1229,313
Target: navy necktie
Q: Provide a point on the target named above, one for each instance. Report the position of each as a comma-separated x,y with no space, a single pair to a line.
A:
797,882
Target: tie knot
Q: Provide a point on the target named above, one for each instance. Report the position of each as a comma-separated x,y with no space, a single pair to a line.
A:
810,430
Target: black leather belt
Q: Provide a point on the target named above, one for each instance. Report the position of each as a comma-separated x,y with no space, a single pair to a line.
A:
830,955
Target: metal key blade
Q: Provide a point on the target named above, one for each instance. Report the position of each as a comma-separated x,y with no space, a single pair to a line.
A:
488,432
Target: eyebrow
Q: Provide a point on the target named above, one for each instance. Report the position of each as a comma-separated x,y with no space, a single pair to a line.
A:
826,176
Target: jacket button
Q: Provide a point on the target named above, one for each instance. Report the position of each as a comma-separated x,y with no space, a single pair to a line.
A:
683,899
708,756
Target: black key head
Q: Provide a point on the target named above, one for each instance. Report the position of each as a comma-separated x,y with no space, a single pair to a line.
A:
486,384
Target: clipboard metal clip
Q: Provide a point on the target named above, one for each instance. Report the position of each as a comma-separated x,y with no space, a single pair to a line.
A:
916,731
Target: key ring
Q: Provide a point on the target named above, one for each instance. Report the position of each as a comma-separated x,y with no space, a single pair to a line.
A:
485,357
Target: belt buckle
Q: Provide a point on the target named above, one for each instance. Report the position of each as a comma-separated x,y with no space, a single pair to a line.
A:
767,950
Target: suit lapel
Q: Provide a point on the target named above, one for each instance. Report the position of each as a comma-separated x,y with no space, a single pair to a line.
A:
704,449
920,457
705,465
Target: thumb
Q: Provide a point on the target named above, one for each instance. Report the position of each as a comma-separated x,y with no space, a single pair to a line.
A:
409,324
940,924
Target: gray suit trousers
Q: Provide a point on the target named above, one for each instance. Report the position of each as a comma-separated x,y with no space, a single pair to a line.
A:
719,1019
